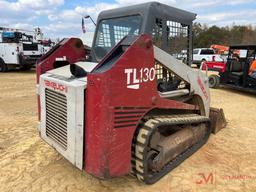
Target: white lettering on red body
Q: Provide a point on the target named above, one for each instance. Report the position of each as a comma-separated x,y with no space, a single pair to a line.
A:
137,76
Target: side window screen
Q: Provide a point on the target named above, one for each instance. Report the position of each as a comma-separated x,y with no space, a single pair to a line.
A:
120,32
178,40
104,37
157,33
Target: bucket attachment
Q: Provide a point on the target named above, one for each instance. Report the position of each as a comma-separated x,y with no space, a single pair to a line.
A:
218,120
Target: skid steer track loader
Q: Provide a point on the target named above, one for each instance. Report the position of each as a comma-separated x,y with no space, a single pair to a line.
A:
133,107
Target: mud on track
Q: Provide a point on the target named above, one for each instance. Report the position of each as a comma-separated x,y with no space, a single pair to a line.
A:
226,163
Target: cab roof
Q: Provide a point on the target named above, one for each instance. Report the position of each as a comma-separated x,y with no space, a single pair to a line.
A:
150,8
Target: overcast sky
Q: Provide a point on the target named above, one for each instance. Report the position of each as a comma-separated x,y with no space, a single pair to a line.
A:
62,18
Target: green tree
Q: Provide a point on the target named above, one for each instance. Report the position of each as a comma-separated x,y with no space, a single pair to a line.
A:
205,36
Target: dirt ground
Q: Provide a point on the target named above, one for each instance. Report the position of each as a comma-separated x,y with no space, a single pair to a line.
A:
226,163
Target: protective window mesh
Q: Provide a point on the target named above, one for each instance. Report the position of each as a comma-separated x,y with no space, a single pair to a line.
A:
111,31
167,77
104,37
120,32
178,40
157,33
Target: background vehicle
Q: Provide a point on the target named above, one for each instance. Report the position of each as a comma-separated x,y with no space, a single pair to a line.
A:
17,49
220,49
46,45
181,56
236,71
133,107
205,54
214,66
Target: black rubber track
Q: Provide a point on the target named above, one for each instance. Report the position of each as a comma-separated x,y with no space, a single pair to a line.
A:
143,136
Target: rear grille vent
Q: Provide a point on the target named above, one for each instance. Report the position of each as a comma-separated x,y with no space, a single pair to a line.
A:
56,117
128,116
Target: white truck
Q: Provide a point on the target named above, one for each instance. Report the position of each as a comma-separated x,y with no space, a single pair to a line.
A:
205,54
17,49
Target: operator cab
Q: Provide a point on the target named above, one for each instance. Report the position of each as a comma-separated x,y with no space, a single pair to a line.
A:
169,27
239,61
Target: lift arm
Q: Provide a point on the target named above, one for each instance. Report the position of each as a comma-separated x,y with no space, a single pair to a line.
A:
197,79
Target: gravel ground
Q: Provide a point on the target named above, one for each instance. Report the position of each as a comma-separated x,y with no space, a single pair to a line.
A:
226,163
